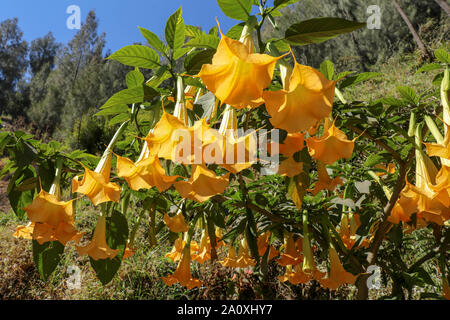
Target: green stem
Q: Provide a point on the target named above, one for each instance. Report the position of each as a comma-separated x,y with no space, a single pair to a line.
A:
108,150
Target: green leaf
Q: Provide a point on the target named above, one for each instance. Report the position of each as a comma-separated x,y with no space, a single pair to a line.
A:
23,153
358,79
408,95
130,96
429,67
114,110
20,199
175,30
153,40
373,160
178,53
204,41
192,31
327,68
47,256
134,79
194,62
136,56
279,4
236,9
319,30
442,55
236,31
120,118
116,238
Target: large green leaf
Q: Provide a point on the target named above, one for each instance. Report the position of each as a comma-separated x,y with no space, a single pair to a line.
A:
204,41
175,30
194,62
116,238
18,195
134,79
136,56
130,96
319,30
358,79
236,9
47,256
153,40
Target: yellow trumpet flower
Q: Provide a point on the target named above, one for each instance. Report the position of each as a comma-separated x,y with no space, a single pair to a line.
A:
183,274
337,275
98,249
231,259
204,251
324,182
50,220
145,173
202,185
263,244
96,185
244,258
292,251
177,250
237,76
290,168
176,224
307,98
293,143
332,146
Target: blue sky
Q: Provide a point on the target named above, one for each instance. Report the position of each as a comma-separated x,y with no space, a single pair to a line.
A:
118,18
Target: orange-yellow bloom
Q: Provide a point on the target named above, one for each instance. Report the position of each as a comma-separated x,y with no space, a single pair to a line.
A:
24,232
177,250
295,275
292,251
161,141
337,275
98,249
324,182
244,259
231,259
145,173
263,245
183,273
202,185
51,220
293,143
176,224
204,251
347,230
290,168
96,185
237,76
307,97
441,150
332,146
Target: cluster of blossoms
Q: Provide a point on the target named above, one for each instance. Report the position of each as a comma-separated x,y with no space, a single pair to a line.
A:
239,77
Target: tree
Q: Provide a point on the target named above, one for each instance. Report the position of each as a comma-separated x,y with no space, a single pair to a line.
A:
43,52
411,29
13,64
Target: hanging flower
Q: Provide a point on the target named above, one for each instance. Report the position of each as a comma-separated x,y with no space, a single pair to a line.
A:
202,185
231,259
324,182
244,258
145,173
295,275
98,249
96,185
337,275
290,168
263,245
293,143
307,97
177,250
204,251
332,146
347,230
441,150
183,273
50,220
292,251
176,224
161,140
237,76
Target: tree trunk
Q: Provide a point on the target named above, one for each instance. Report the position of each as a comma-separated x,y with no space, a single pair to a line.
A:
425,53
444,5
